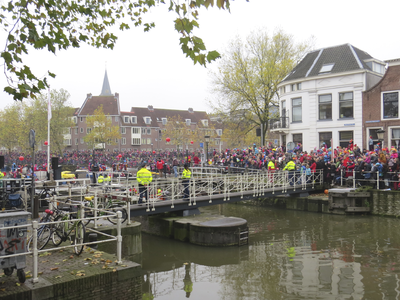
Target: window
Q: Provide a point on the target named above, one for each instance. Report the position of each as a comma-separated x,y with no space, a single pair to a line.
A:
76,141
134,120
325,107
344,138
88,130
108,141
164,121
296,110
116,119
346,105
126,119
123,141
81,129
143,141
326,68
82,141
144,130
390,105
123,130
76,130
148,141
109,119
70,130
219,132
135,130
67,142
147,120
298,138
205,123
299,86
293,87
136,142
149,131
81,119
188,121
325,137
395,137
376,67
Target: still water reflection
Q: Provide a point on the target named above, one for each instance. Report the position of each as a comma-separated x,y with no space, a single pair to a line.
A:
291,255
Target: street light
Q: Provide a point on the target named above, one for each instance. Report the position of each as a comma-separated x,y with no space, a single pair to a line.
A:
381,135
207,139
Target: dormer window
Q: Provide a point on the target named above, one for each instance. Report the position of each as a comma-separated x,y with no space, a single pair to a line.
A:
205,123
188,122
326,68
164,121
126,119
147,120
133,120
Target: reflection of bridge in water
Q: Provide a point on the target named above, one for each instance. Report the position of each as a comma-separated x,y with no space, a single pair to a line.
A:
212,189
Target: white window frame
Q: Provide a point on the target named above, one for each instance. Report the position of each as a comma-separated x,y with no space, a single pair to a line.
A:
126,119
346,101
81,130
82,141
383,106
164,121
76,141
136,142
134,120
297,106
147,120
136,130
88,130
188,122
144,130
123,141
123,130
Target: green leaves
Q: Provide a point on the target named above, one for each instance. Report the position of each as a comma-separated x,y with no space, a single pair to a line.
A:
58,25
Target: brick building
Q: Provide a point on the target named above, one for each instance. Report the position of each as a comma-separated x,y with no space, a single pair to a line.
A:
381,108
141,127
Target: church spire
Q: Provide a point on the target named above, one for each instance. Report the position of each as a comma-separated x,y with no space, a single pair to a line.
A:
106,90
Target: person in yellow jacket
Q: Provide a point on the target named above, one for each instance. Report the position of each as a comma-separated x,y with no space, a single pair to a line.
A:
186,175
143,177
107,180
291,167
100,179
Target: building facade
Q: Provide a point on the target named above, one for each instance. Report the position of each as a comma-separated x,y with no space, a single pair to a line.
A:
381,108
321,99
142,127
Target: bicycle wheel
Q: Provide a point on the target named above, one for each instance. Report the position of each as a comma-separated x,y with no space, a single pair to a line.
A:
58,232
80,232
43,238
113,219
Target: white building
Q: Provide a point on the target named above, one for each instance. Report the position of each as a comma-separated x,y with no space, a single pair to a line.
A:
321,99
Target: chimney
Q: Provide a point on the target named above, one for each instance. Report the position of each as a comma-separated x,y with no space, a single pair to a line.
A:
89,95
190,110
150,108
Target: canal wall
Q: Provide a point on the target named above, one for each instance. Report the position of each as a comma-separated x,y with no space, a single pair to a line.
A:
381,202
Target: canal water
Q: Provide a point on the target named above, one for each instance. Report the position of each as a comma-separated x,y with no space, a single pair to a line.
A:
291,255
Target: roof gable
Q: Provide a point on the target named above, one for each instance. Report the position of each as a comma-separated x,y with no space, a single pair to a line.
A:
344,58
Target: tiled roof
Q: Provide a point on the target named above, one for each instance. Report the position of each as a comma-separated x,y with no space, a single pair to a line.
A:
157,114
344,57
110,105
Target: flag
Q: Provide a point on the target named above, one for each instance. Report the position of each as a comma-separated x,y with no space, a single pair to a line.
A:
48,107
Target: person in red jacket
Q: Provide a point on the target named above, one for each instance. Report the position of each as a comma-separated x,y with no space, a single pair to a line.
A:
160,166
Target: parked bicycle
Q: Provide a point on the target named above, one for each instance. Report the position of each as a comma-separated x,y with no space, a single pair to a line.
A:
69,228
44,232
109,205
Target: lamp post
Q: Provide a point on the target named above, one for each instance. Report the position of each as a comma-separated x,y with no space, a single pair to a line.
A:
207,140
381,135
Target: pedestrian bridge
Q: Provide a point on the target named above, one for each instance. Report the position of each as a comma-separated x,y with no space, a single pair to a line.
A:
211,188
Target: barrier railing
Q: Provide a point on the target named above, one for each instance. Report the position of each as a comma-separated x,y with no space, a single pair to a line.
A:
35,252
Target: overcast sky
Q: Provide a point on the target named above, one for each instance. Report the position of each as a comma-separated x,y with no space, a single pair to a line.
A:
150,68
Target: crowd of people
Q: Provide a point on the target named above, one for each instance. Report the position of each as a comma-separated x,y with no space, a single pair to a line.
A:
335,163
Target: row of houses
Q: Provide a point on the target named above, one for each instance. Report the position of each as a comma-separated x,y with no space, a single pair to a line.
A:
334,95
340,94
141,128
